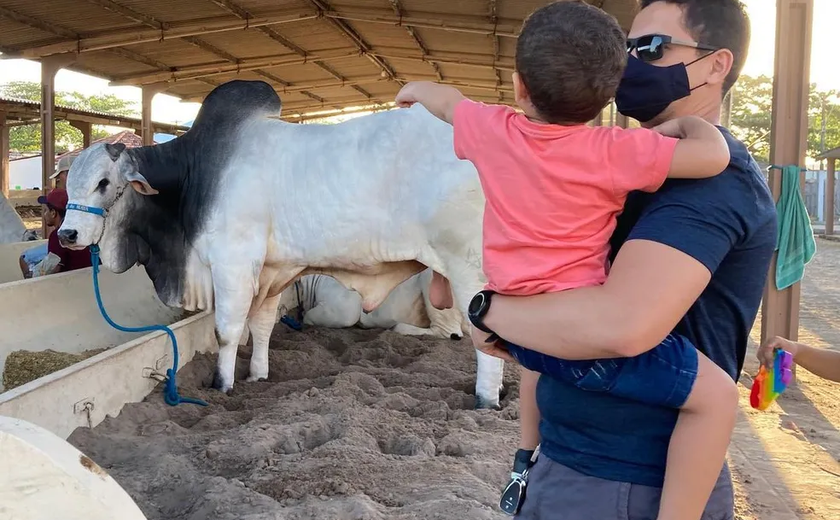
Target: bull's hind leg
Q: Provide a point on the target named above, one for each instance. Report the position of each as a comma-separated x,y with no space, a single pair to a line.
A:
261,324
465,282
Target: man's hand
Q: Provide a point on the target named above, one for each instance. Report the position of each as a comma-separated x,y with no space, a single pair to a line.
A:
766,352
493,348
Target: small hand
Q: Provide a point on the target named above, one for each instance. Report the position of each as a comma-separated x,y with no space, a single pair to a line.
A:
493,348
767,352
406,96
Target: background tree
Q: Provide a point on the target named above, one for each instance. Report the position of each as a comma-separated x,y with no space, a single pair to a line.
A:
27,138
751,116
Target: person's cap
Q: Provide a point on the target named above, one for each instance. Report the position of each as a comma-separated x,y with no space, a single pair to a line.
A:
63,164
57,199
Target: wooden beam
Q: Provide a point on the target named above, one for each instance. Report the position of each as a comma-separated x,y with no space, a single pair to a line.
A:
481,61
244,14
345,29
494,19
458,82
126,36
293,110
37,24
131,14
122,37
398,10
216,68
4,155
829,197
452,23
788,134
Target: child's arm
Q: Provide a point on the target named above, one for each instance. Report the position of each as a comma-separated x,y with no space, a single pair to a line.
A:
438,99
821,362
701,151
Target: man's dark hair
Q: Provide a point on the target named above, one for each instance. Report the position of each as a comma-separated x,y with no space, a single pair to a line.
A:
718,23
570,56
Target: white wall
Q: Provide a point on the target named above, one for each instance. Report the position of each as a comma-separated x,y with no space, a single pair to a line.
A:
25,173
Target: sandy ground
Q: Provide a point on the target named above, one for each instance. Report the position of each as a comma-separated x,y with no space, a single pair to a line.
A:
360,424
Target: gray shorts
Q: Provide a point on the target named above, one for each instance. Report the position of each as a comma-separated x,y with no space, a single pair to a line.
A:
557,492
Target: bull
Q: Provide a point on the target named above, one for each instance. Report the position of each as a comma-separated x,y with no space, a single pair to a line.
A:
230,214
408,310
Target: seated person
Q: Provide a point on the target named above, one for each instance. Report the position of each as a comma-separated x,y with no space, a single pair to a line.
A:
58,259
819,361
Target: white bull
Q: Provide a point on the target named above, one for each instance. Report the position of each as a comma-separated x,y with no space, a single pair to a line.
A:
12,228
232,212
407,310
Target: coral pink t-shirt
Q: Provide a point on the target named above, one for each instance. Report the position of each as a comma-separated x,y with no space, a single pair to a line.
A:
553,193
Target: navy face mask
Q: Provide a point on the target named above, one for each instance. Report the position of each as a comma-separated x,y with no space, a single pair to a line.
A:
646,90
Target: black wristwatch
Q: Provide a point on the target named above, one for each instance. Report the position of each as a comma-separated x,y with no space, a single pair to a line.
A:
479,305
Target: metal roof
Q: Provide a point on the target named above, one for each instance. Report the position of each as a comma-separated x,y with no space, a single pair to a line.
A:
27,111
318,54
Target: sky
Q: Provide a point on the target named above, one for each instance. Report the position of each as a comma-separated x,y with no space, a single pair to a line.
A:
759,61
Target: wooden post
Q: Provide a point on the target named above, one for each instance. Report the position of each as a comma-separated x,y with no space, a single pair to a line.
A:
622,120
599,119
50,65
829,197
788,133
4,155
147,131
85,128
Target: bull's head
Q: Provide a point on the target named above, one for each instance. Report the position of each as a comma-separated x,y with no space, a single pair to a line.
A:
96,183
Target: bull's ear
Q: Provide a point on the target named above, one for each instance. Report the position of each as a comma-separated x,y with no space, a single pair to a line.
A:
114,150
140,184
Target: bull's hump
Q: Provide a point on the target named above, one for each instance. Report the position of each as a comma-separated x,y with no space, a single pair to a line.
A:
236,101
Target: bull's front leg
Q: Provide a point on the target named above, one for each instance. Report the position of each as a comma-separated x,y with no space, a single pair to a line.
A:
233,295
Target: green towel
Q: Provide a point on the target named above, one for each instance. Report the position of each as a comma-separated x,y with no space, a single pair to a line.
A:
795,239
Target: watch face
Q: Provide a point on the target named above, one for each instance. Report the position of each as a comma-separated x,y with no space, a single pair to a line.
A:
477,304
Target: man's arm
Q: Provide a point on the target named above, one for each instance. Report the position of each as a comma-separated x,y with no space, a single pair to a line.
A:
702,150
438,99
683,233
650,288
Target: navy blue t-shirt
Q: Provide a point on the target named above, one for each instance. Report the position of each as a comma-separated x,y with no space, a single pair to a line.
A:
726,222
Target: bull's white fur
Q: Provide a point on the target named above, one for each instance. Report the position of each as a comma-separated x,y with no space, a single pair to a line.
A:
12,228
407,310
363,201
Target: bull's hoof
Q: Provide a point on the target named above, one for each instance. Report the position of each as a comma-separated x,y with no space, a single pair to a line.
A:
219,385
455,336
258,379
486,404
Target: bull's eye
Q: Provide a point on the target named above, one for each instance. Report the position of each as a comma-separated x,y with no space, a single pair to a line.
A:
103,184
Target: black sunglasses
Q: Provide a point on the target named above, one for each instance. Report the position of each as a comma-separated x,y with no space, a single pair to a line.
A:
651,47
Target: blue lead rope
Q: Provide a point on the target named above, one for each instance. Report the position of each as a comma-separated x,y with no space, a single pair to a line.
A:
170,389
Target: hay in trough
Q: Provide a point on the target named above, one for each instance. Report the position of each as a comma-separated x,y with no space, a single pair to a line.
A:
23,366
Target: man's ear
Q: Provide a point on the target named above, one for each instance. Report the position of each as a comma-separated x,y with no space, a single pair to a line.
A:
140,184
721,65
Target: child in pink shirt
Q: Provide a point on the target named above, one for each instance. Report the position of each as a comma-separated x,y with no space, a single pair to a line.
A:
553,188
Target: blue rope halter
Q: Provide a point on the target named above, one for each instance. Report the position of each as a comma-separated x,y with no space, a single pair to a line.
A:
170,389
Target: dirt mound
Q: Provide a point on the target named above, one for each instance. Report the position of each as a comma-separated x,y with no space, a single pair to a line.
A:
352,424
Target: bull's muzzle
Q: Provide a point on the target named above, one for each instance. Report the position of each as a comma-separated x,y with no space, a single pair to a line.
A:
67,237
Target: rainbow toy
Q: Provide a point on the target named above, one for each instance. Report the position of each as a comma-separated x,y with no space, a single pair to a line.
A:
769,384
